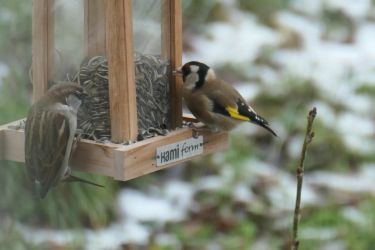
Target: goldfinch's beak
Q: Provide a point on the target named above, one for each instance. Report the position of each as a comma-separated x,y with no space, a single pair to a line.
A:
177,72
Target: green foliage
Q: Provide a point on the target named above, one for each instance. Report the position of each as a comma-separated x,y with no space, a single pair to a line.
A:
356,236
197,13
10,239
337,24
69,205
264,9
366,89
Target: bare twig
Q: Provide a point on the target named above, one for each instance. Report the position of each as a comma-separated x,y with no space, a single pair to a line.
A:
299,173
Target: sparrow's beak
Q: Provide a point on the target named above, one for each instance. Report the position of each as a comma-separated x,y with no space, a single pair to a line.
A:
177,72
85,94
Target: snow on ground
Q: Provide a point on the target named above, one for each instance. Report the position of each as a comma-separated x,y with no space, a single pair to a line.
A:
159,209
360,182
241,38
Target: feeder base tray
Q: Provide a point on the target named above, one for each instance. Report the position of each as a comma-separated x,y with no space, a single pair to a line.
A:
124,162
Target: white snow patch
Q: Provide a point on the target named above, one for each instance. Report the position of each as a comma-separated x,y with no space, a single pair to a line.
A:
365,40
357,132
360,104
115,235
318,233
307,28
248,90
326,113
111,237
179,193
361,182
243,193
283,194
6,15
308,7
350,123
281,187
295,145
142,207
241,38
354,215
210,183
39,236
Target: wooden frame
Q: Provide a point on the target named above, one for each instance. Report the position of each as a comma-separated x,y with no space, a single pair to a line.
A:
172,49
95,27
111,159
122,91
42,46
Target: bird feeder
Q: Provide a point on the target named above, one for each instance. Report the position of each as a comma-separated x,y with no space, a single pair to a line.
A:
110,30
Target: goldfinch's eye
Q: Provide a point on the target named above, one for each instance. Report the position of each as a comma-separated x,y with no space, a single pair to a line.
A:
186,69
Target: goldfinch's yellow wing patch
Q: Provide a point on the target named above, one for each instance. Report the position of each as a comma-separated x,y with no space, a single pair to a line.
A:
233,112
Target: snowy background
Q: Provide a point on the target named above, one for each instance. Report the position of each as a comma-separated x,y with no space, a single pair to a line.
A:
285,57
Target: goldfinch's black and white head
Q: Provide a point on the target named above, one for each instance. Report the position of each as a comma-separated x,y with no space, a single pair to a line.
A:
195,74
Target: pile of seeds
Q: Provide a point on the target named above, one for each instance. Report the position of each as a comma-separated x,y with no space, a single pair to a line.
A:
152,89
152,83
93,116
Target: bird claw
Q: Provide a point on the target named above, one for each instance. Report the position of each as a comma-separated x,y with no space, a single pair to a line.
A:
195,133
197,130
192,125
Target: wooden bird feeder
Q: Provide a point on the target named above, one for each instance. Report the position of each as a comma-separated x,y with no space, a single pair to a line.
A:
108,30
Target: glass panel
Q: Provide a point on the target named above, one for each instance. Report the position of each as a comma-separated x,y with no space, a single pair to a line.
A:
68,38
147,26
151,68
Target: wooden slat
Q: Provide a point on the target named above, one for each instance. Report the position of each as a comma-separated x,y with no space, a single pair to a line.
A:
95,27
189,118
176,60
2,141
13,145
122,93
12,142
166,29
42,46
94,157
140,159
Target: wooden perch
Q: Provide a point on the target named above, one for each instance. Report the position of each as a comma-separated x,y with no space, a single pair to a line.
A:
122,162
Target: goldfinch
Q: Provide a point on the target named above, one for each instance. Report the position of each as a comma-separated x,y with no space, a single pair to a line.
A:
49,134
213,101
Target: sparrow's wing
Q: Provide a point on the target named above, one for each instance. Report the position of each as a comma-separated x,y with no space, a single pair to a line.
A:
47,136
228,102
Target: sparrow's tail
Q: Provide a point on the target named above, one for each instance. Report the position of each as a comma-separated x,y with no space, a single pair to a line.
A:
72,178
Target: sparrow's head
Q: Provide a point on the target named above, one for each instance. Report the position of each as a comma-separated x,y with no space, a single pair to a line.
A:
67,93
195,74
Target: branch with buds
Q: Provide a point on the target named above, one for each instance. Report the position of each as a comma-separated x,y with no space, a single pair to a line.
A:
299,173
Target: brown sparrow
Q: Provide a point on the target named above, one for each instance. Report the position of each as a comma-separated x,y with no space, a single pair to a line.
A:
49,134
